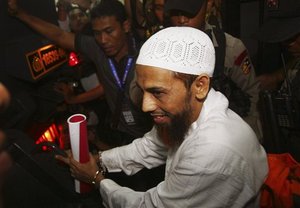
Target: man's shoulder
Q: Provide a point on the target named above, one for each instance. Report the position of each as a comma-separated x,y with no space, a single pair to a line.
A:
234,44
237,54
87,45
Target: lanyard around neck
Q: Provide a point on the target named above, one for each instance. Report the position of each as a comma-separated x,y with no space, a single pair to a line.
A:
114,71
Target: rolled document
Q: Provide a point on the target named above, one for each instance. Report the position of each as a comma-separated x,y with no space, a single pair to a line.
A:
79,146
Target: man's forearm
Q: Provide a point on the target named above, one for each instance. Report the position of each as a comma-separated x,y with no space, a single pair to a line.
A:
49,30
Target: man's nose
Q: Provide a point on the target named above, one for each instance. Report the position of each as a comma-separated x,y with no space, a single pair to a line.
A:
182,20
103,38
149,104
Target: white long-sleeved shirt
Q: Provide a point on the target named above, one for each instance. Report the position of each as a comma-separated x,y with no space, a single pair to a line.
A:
239,68
219,164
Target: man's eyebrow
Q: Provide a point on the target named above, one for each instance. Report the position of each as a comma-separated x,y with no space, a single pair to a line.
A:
151,89
155,89
103,29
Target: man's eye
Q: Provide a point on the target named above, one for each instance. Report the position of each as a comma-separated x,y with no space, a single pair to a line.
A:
96,33
157,94
109,31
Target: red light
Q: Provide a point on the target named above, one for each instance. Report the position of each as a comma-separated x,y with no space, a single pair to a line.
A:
54,128
44,148
50,135
73,59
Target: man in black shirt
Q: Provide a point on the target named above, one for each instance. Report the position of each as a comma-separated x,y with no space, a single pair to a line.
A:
113,52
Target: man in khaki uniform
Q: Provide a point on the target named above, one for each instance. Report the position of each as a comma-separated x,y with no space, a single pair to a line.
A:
233,59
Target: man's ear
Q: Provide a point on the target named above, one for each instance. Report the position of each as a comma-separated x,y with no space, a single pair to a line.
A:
202,85
126,26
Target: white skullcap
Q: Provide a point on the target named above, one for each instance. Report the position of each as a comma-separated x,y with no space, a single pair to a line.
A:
180,49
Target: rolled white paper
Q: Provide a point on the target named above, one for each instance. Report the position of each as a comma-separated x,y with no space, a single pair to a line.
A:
79,146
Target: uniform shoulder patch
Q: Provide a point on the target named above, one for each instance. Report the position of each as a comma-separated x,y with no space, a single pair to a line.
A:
243,62
240,58
246,66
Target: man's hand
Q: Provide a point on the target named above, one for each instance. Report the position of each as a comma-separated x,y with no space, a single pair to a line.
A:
4,97
67,91
82,171
271,81
13,8
6,161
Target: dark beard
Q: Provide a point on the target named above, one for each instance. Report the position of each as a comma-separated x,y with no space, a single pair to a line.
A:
174,133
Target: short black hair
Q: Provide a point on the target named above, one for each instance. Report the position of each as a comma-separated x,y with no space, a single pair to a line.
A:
109,8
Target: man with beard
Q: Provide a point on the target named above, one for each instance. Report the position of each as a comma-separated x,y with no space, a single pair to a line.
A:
213,158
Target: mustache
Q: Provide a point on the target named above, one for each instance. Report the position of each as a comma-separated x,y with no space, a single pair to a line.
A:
162,113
